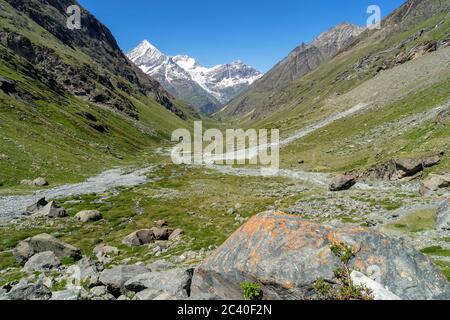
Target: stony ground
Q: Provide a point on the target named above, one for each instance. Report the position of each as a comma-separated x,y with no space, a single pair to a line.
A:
209,205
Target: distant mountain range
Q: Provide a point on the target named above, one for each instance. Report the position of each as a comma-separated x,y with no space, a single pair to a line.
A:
207,89
301,61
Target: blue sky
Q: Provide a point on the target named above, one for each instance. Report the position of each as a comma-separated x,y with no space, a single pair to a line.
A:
258,32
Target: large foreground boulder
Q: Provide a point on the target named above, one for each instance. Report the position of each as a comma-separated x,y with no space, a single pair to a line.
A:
286,255
42,243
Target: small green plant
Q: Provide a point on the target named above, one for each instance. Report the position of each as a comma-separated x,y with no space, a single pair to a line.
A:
59,286
251,291
67,261
341,287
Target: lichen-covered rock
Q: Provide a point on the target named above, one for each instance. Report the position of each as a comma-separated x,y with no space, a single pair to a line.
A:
41,243
286,255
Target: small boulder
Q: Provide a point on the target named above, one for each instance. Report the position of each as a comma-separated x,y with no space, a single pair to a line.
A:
29,291
51,210
175,282
89,216
100,293
116,277
435,182
177,233
105,250
41,243
139,238
443,215
161,233
342,182
34,208
43,261
69,294
161,223
84,271
40,182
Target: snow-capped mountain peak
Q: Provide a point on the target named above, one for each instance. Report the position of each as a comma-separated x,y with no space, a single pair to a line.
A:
145,49
185,77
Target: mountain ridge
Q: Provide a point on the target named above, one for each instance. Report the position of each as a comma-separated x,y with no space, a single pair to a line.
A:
187,79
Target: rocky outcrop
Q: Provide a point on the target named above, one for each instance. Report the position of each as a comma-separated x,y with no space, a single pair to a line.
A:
286,255
42,243
403,168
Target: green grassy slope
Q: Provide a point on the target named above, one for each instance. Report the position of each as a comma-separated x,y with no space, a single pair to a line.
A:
47,130
365,72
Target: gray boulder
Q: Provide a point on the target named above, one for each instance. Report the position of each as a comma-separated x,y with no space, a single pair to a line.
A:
139,238
100,293
42,243
286,255
116,277
69,294
51,210
28,291
175,282
88,216
177,233
161,233
342,182
34,208
105,250
84,271
40,182
377,290
43,261
435,182
443,215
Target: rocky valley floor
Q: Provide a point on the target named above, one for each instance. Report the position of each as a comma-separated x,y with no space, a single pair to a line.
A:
192,211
